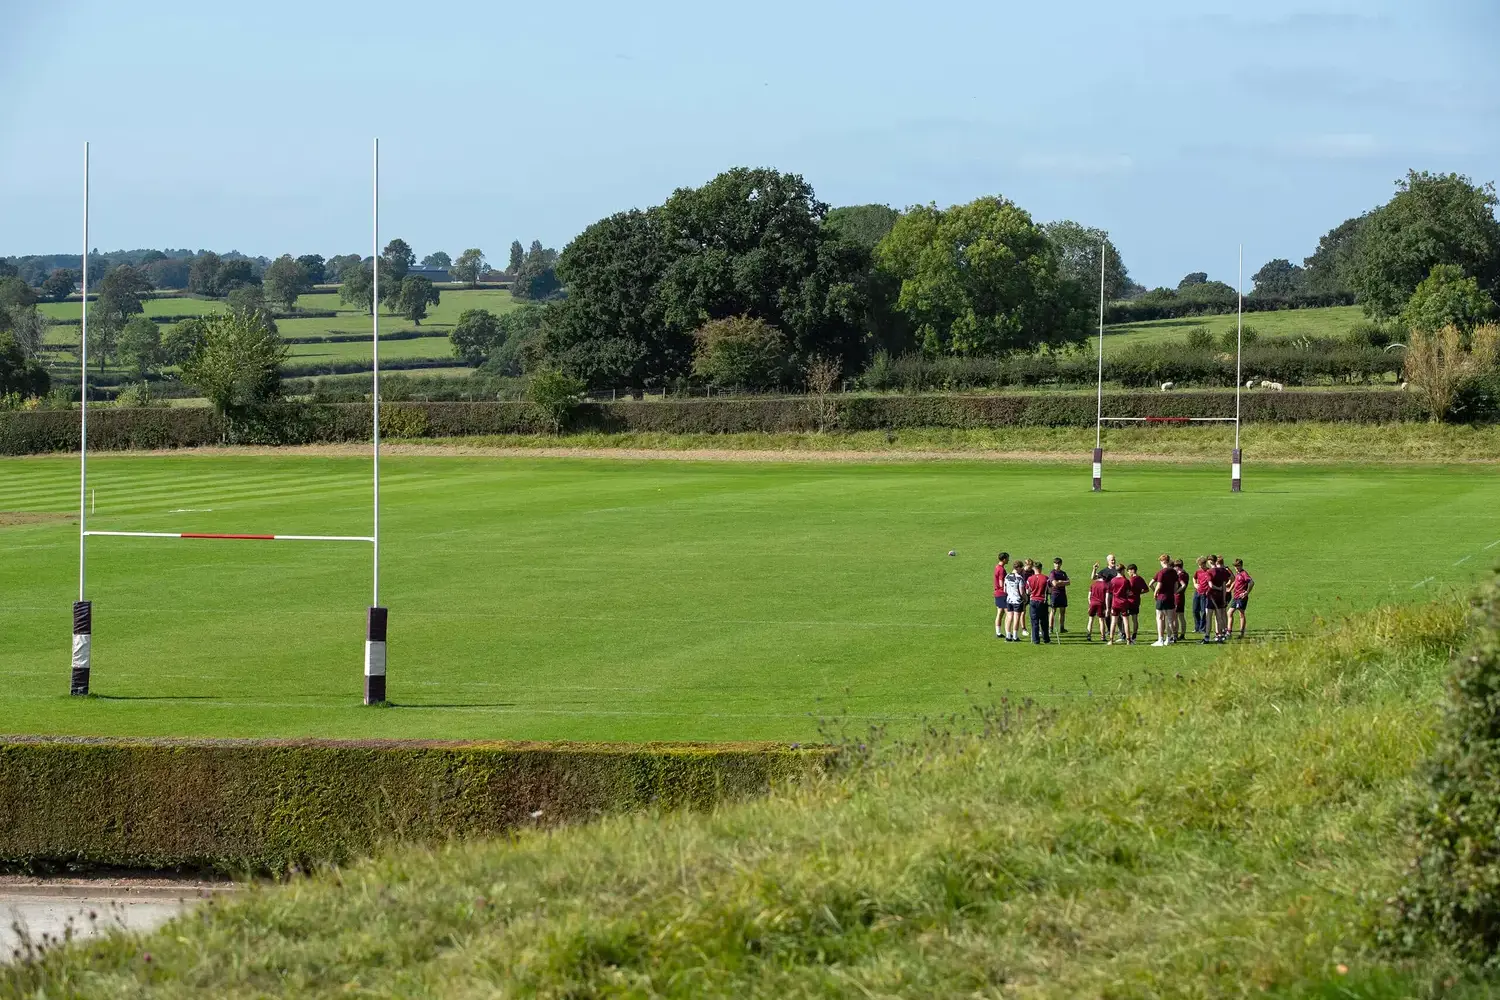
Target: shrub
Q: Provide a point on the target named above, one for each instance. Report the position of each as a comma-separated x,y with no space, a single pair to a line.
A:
740,352
1438,364
1452,893
555,394
1200,339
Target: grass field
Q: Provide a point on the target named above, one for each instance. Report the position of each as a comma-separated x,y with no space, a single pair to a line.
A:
599,599
1332,321
439,322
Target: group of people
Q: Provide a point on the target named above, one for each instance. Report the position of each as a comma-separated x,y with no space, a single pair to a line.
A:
1028,594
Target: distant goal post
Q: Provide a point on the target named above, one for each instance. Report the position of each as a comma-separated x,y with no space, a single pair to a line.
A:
1235,459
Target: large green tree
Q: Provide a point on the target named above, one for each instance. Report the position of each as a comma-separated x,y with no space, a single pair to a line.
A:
1078,257
315,265
982,278
140,346
399,257
59,284
517,255
475,336
437,258
1433,219
417,293
537,278
469,266
119,299
356,287
866,225
1279,277
285,280
237,363
1447,297
1331,267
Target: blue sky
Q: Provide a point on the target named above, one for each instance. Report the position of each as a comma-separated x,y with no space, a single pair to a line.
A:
1184,128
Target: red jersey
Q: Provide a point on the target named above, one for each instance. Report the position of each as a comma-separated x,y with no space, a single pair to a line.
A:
1120,591
1221,578
1000,580
1202,580
1183,580
1166,582
1242,584
1096,592
1138,586
1036,586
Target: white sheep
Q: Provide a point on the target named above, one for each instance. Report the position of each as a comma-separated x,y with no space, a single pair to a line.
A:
1250,384
1273,386
1402,386
1168,386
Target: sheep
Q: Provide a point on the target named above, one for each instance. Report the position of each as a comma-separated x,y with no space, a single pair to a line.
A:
1273,386
1168,386
1402,386
1250,384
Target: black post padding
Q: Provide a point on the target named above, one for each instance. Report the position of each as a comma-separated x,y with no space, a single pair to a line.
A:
375,690
375,623
83,625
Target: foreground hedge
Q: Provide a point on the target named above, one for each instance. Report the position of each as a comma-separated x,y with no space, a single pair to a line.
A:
267,806
309,423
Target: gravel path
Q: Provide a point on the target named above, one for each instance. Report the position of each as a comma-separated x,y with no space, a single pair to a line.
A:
43,912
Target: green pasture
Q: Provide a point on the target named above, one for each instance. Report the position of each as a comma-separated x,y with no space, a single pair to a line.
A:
1331,321
595,599
422,347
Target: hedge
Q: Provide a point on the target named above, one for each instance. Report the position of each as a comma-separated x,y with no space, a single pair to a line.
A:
1138,367
243,806
1151,308
44,431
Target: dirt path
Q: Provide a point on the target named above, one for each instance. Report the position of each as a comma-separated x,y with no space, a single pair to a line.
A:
39,913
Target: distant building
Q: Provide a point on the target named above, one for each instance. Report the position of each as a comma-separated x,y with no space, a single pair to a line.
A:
432,274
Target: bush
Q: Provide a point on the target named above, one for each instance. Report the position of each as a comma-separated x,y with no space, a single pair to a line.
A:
1452,894
740,353
1200,339
1154,306
271,806
555,394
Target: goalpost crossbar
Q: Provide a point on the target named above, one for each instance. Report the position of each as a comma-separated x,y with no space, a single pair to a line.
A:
247,538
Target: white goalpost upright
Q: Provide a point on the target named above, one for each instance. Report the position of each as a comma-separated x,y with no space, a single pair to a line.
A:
1101,419
376,616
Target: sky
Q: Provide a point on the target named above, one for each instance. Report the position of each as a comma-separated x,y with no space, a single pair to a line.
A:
1186,129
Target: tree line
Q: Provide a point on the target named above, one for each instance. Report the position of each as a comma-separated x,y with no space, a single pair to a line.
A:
751,282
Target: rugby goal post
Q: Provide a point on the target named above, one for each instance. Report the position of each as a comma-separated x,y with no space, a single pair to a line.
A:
376,617
1101,419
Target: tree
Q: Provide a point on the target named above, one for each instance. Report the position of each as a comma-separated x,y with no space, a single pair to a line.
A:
1433,219
237,366
437,259
119,299
140,346
520,347
19,374
517,255
866,225
1438,363
15,293
1196,278
27,325
286,279
1279,277
476,335
1077,249
982,278
183,340
203,276
416,295
315,266
248,299
338,265
59,284
357,288
740,352
399,258
234,274
1331,267
555,394
469,266
1447,298
537,278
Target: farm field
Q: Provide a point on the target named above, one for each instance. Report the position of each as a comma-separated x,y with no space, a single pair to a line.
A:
439,322
635,600
1331,321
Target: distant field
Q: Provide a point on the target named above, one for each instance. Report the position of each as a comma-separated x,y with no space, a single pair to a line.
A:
1333,321
439,322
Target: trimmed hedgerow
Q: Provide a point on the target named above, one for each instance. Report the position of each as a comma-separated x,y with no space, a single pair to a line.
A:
42,431
269,806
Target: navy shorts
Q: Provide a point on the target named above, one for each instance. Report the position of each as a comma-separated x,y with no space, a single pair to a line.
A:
1059,599
1240,603
1017,606
1165,604
1000,603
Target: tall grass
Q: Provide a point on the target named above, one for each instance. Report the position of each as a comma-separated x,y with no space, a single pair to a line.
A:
1215,835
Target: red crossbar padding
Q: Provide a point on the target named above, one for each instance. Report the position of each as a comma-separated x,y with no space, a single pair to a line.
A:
1168,420
254,538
